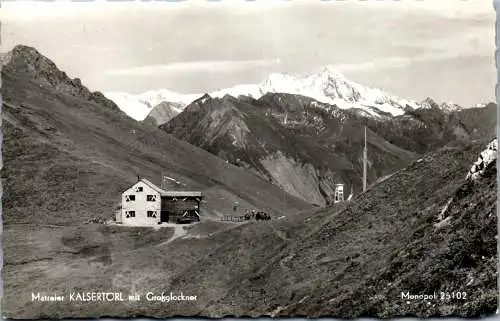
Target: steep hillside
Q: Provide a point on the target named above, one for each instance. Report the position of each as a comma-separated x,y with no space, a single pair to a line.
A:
303,148
68,153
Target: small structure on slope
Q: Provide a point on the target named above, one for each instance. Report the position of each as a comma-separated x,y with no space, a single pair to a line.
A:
147,204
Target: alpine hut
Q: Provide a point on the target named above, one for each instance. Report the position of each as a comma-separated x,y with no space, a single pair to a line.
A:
144,203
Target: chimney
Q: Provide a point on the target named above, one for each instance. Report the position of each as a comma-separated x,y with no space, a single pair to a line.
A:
138,178
365,156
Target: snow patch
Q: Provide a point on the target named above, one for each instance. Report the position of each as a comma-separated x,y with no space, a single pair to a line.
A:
444,209
486,157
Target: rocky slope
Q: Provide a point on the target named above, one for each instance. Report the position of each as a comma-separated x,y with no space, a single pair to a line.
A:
485,159
68,154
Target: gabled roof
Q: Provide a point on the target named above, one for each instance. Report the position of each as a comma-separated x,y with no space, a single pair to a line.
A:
181,194
170,193
153,186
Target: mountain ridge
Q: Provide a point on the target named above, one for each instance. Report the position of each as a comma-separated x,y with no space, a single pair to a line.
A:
27,59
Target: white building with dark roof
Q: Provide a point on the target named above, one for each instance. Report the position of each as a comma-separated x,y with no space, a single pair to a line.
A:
144,203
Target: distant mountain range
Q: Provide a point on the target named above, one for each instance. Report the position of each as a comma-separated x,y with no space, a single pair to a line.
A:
328,87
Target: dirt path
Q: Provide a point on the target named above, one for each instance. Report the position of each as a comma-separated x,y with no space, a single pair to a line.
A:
35,225
179,231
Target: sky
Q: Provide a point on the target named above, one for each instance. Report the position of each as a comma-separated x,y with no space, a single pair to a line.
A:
412,48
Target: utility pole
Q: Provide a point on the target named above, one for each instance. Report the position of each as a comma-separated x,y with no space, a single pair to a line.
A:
284,198
365,159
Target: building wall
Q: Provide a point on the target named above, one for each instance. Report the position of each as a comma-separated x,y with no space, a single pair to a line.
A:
176,208
118,216
140,205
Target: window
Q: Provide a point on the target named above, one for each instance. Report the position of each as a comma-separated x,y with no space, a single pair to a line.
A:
152,214
139,189
129,198
129,214
151,198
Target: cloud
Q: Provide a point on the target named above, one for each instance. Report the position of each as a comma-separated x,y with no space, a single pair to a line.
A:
445,8
193,67
406,61
377,64
96,48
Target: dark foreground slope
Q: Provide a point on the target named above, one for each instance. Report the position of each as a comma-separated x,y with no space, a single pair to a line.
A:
68,153
357,261
360,260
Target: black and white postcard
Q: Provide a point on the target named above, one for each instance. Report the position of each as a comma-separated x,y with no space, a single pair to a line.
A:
249,158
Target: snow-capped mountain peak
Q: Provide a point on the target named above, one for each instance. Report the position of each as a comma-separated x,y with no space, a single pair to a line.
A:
276,82
139,106
328,86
